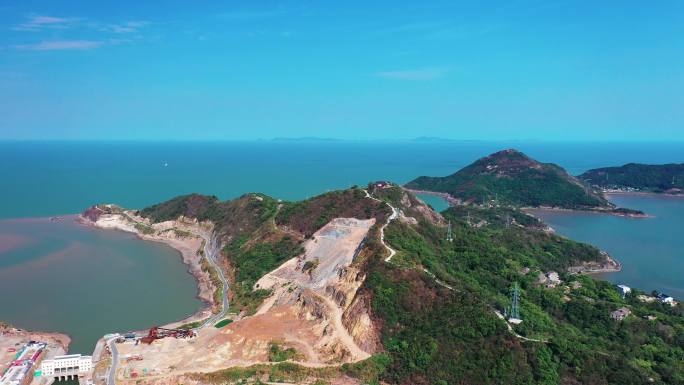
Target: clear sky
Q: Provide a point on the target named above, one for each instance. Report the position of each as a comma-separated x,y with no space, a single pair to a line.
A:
173,70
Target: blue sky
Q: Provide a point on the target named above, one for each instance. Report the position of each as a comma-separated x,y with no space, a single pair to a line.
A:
543,70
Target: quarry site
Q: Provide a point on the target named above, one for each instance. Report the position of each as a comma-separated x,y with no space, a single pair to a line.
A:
310,312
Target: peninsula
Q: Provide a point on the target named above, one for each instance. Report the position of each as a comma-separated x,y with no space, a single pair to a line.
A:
635,177
369,285
510,177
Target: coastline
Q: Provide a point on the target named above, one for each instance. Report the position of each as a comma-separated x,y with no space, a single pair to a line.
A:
58,343
611,265
60,339
597,211
451,201
643,193
189,248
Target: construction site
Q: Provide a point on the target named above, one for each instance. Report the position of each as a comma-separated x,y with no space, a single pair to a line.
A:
309,311
22,352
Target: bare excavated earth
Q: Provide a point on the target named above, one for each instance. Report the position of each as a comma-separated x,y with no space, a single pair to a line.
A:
313,308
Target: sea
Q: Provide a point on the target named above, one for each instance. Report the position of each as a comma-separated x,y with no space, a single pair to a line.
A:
58,275
651,250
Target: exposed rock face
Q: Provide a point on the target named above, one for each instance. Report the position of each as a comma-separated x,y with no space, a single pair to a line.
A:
313,306
326,293
92,213
357,320
413,208
609,264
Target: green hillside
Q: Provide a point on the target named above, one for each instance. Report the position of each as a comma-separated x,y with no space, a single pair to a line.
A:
440,336
511,177
435,303
259,233
642,177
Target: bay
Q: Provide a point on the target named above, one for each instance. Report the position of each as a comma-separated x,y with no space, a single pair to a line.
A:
651,250
63,276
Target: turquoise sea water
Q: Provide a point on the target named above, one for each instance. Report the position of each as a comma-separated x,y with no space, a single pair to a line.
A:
436,202
53,178
64,277
650,249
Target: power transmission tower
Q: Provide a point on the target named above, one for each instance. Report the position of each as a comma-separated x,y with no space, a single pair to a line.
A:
508,220
515,303
449,237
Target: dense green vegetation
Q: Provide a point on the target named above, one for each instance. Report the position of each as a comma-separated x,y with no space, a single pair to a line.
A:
190,325
279,372
251,261
193,206
236,217
643,177
144,229
309,215
368,371
440,326
510,177
434,335
496,216
259,233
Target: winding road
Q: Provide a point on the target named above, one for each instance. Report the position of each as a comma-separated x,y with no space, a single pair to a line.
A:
392,217
392,252
211,251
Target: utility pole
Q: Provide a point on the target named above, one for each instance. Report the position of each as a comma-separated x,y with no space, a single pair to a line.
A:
449,237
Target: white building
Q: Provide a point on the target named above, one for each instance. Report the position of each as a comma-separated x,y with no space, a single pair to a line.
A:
71,364
664,298
624,290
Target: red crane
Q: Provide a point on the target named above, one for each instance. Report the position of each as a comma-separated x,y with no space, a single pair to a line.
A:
157,333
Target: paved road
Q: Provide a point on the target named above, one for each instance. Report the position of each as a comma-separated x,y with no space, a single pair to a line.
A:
111,375
211,252
394,215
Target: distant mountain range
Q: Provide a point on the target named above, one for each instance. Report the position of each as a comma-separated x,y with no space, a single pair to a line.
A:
420,139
